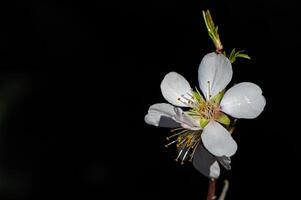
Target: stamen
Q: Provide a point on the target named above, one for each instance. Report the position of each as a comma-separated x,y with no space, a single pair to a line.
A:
179,99
190,102
175,129
190,95
198,92
208,91
193,141
185,98
184,157
195,103
176,134
193,151
167,145
183,141
196,142
179,155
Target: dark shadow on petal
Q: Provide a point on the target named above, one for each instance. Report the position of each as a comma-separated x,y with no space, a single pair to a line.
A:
225,162
202,160
168,122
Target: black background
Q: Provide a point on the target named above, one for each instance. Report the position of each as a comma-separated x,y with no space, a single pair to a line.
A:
77,78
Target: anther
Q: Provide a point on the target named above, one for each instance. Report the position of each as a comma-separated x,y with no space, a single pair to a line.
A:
179,99
185,98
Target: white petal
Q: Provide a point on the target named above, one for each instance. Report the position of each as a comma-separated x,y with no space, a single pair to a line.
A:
225,162
214,170
186,121
205,162
166,115
161,114
215,72
173,87
217,140
243,100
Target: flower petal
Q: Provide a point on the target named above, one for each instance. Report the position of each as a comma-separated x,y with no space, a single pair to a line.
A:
215,72
205,163
175,86
244,100
217,140
166,115
186,121
214,170
225,162
163,115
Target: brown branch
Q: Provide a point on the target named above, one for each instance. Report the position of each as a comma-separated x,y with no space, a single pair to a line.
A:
211,189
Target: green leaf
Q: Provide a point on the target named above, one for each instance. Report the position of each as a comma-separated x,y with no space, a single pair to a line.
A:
216,30
212,30
232,54
223,119
237,54
243,56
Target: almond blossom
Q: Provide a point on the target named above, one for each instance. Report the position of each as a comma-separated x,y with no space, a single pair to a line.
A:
202,131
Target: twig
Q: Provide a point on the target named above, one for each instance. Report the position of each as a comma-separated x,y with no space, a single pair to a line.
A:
211,189
212,30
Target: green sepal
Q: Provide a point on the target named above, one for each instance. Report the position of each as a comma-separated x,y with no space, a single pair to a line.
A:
217,98
197,95
203,122
223,119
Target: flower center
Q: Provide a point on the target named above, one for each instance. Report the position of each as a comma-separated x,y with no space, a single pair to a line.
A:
207,110
202,110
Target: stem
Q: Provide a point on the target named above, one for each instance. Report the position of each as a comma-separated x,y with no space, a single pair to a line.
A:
211,189
225,189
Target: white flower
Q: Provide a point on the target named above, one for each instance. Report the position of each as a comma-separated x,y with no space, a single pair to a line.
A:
205,116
